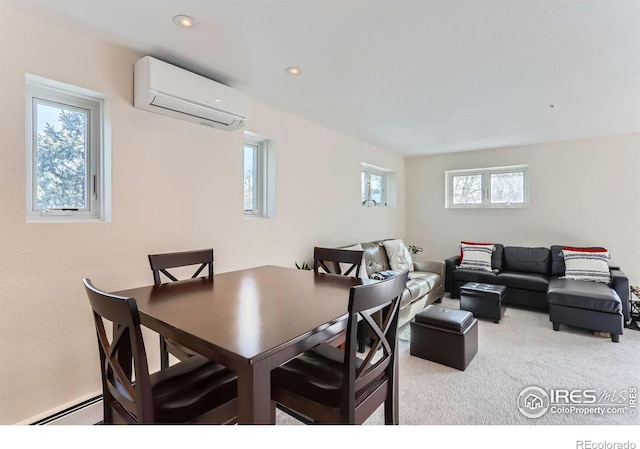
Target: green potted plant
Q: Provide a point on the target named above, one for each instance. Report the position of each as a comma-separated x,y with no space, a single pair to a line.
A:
303,266
413,249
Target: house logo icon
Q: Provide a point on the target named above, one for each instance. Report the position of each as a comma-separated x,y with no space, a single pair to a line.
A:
533,402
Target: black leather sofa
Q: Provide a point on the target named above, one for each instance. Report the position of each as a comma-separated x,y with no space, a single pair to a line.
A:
533,277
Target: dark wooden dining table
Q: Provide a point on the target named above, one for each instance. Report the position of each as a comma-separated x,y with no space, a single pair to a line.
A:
251,321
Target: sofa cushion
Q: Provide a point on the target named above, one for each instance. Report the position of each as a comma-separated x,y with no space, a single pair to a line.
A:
587,264
526,259
497,256
583,295
407,296
476,256
432,279
419,287
487,277
398,254
525,281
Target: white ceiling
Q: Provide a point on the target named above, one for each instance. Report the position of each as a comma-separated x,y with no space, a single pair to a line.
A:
415,77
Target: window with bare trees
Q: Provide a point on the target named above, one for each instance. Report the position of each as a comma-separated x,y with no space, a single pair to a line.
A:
487,187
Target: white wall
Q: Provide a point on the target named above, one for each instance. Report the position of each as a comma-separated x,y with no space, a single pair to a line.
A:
582,193
176,186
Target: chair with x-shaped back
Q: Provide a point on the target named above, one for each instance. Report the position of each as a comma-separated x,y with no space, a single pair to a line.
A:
333,386
337,261
194,390
160,264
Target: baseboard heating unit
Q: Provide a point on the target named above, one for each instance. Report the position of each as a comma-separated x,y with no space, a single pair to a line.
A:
87,412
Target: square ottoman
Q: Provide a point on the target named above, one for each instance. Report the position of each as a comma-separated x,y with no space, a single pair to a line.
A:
444,335
483,300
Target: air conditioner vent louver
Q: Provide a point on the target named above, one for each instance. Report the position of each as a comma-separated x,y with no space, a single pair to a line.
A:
169,90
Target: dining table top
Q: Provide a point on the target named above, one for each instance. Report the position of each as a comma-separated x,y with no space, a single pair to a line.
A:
246,313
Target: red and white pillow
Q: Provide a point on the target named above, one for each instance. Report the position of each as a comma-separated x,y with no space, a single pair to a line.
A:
476,256
584,264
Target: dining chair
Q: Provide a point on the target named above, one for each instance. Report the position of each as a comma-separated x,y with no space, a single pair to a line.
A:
327,385
337,261
340,261
160,265
191,391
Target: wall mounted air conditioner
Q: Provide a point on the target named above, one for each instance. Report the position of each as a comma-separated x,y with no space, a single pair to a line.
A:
169,90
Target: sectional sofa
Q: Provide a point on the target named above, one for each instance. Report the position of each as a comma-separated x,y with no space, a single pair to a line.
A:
535,277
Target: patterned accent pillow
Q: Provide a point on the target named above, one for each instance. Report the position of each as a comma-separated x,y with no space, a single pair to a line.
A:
399,256
476,256
587,264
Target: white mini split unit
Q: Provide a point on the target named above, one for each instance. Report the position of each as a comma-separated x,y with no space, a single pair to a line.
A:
169,90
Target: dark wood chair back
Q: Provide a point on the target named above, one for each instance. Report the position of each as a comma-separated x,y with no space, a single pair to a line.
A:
367,380
197,390
160,263
378,362
324,258
122,357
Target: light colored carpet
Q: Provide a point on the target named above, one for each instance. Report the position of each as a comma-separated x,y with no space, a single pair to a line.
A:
521,351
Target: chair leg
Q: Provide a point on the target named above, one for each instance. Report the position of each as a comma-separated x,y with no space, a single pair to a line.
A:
556,326
164,354
362,340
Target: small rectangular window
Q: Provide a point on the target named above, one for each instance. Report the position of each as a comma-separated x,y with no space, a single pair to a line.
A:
258,177
487,187
376,186
66,153
251,194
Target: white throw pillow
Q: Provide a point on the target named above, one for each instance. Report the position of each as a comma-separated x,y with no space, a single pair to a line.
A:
399,256
587,264
363,269
476,256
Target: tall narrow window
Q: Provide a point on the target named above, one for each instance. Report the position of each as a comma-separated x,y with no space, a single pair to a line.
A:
487,187
250,178
65,153
255,176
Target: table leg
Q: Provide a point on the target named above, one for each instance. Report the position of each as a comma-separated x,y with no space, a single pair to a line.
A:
254,394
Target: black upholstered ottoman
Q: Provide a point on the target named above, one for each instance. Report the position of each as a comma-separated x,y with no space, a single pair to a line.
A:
483,300
443,335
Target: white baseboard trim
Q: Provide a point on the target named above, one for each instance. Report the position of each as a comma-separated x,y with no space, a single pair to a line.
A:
85,412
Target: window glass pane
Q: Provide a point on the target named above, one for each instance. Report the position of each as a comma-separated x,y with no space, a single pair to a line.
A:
467,189
250,156
377,192
507,188
61,157
365,186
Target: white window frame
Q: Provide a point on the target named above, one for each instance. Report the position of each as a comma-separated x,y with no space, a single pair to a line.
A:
388,186
98,182
485,174
264,177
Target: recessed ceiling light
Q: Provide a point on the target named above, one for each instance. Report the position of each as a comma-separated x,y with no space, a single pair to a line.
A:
186,22
293,70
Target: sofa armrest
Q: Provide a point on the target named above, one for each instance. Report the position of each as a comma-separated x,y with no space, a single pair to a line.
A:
450,264
620,283
430,266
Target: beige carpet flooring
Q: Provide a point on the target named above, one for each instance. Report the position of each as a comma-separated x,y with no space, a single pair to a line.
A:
521,351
